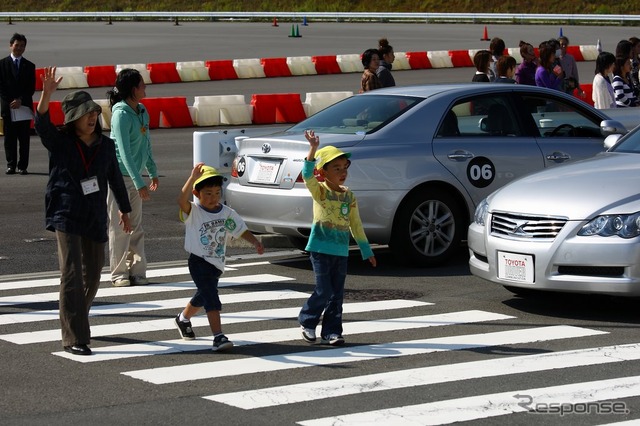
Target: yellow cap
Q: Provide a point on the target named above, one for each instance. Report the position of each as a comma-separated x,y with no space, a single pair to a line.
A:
207,172
327,154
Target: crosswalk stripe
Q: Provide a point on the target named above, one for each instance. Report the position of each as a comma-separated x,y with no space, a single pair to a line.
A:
234,367
283,335
151,305
147,289
492,405
47,282
201,321
311,391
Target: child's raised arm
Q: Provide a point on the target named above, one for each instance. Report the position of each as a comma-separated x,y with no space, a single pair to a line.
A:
187,189
314,142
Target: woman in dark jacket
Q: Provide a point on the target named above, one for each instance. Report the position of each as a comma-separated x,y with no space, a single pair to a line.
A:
82,164
387,56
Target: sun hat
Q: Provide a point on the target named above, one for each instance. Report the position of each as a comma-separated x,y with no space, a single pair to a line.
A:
77,104
207,172
327,154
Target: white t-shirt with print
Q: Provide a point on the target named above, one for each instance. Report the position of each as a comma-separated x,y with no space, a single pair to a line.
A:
206,233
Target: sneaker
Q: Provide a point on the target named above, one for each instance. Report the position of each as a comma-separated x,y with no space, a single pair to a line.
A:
333,340
308,334
138,280
122,282
221,343
185,329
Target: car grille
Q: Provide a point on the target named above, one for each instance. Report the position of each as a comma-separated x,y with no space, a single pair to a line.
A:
518,226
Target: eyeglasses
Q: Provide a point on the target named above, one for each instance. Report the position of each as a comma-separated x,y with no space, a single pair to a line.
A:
563,45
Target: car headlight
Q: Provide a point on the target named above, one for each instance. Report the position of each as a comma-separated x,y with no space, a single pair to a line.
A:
622,225
482,210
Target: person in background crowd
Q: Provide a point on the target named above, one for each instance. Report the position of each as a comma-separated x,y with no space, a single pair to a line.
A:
635,66
570,68
17,85
506,68
371,62
526,71
603,96
130,131
82,165
621,88
482,61
496,47
548,75
386,63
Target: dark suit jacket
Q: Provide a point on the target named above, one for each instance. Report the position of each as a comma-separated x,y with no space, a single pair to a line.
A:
11,87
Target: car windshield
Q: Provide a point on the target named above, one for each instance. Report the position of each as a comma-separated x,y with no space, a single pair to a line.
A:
358,114
631,143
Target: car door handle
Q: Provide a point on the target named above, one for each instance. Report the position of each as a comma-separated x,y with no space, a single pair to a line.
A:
460,155
558,156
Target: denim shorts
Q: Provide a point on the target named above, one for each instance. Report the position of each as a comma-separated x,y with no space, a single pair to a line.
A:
206,277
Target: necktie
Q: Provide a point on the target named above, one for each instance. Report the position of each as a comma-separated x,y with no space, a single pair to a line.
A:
16,62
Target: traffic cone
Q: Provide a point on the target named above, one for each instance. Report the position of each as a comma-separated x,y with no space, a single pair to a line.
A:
275,22
295,31
304,21
485,35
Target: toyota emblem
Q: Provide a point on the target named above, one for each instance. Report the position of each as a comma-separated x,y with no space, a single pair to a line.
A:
266,148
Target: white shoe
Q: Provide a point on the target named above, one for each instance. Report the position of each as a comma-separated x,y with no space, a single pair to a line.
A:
333,340
122,282
308,334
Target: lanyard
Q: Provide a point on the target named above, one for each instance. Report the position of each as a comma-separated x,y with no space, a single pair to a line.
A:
84,161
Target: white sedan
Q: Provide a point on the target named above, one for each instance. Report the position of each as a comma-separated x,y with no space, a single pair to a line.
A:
574,228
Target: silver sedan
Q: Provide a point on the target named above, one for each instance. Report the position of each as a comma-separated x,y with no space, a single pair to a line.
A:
422,158
570,229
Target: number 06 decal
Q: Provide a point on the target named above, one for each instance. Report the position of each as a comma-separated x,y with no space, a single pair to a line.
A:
481,172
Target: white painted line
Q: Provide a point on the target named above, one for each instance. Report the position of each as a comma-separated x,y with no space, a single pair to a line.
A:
200,321
283,335
312,391
151,305
492,405
233,367
145,289
46,282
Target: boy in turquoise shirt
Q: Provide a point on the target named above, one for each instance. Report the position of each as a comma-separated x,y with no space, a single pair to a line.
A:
335,218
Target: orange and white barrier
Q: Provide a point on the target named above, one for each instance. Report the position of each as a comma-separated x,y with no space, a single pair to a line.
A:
232,110
174,72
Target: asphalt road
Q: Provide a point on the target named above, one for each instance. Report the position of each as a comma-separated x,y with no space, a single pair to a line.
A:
398,320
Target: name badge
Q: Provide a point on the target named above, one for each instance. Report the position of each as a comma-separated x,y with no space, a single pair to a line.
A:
89,186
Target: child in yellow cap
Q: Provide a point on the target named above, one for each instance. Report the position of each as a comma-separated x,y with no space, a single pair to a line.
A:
209,223
335,218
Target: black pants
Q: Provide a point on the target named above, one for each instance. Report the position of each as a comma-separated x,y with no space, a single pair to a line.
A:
14,132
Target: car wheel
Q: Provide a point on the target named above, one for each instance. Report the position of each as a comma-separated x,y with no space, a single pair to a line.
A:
427,230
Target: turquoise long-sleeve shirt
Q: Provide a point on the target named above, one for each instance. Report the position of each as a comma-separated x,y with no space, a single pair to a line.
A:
335,216
130,131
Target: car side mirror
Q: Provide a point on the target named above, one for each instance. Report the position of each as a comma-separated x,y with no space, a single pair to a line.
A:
612,127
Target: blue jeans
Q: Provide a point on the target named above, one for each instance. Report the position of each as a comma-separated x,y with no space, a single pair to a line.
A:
330,272
205,276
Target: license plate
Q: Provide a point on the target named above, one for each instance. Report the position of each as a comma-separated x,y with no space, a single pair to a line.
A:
266,171
515,267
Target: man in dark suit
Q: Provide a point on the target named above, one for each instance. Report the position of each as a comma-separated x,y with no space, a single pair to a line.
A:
17,85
